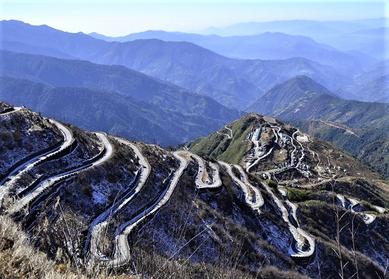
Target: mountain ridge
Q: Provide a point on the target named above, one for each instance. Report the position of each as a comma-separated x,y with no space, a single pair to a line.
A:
187,113
259,46
232,82
351,125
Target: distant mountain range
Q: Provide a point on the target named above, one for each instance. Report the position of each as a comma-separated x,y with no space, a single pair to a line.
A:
371,85
303,98
368,36
262,46
352,125
168,107
311,28
128,96
232,82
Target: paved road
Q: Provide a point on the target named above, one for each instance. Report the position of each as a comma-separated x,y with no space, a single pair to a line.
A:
13,177
252,194
379,209
203,179
99,224
293,207
301,146
275,132
259,159
230,132
229,135
339,126
257,156
46,184
292,155
12,110
314,154
300,236
122,248
351,203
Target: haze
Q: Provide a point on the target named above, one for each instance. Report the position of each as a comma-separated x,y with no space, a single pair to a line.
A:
120,17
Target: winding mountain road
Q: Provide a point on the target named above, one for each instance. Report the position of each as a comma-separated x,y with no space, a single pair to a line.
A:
301,237
230,131
122,249
229,135
203,180
46,184
100,223
350,203
11,180
301,146
314,154
379,209
255,141
304,243
259,159
293,207
10,110
275,132
253,196
339,126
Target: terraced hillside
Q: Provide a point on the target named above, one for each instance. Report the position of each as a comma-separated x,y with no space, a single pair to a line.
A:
257,199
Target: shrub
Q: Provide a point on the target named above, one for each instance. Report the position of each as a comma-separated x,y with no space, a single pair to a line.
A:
272,183
87,190
297,195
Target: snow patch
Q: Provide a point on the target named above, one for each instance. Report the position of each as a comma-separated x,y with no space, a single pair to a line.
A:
99,198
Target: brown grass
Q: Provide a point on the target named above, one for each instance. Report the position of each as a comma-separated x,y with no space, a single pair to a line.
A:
18,259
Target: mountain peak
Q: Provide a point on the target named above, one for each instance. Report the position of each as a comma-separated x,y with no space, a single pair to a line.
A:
303,83
289,92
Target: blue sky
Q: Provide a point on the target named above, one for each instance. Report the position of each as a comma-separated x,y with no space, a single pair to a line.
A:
119,17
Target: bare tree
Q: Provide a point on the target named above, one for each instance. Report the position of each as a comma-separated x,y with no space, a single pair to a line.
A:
339,217
353,232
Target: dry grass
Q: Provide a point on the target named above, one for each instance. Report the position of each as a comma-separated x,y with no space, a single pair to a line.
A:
154,266
20,260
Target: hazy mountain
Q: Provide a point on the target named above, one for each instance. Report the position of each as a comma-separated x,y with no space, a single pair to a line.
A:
134,208
294,93
262,46
352,125
103,111
371,85
232,82
365,89
105,38
183,115
75,73
369,41
43,38
367,36
310,28
302,98
30,49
